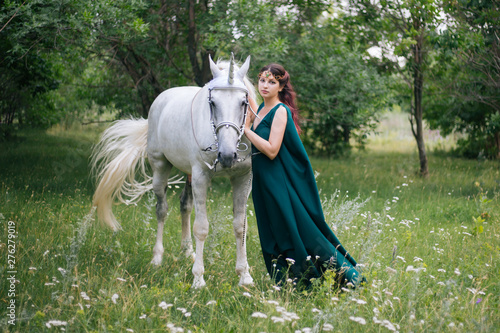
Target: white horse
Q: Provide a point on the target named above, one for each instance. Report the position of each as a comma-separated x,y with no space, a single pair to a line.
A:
200,132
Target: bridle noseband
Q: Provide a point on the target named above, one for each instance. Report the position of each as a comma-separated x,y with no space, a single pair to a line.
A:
216,127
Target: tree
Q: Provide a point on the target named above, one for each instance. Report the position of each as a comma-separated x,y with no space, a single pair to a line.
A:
27,72
401,29
159,44
467,78
339,91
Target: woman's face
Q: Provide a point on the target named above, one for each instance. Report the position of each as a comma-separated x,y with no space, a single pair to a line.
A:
269,87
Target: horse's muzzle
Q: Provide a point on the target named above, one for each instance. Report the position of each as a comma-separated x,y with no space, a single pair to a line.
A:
227,160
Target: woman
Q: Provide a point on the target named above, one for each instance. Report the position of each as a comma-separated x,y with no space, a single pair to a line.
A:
296,241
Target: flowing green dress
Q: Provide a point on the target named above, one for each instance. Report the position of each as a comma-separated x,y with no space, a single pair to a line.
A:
295,238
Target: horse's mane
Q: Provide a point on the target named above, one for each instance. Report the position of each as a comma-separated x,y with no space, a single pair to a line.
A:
223,65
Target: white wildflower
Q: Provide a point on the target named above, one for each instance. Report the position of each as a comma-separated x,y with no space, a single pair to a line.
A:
49,284
401,258
273,302
183,310
416,270
277,319
247,294
417,259
259,315
359,301
280,309
212,302
32,268
114,298
122,280
84,295
164,305
359,320
327,327
314,310
129,330
144,286
187,314
457,271
143,316
290,316
55,323
441,283
390,270
441,270
387,324
290,261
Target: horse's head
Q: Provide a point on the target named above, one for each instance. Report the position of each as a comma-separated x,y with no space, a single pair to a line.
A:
228,98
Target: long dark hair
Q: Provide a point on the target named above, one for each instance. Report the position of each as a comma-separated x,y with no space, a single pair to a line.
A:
287,95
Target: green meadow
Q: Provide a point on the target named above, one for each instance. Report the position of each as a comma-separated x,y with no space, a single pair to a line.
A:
428,247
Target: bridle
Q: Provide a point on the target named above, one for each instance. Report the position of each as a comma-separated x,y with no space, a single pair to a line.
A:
216,127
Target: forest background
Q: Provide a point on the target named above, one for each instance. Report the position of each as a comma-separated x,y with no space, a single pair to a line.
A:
438,61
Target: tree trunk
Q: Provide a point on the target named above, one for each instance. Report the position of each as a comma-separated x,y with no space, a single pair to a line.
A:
202,74
418,84
346,133
497,143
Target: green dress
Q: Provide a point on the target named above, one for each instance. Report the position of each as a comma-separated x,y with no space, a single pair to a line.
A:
295,238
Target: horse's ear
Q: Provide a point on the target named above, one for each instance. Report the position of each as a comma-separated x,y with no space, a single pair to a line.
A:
213,67
244,68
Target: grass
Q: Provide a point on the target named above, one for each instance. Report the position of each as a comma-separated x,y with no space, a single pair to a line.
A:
429,247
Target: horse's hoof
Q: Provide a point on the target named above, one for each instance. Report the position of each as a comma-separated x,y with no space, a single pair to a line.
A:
246,280
198,283
156,260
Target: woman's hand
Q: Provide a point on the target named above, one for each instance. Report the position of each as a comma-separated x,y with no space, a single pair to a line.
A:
252,109
249,120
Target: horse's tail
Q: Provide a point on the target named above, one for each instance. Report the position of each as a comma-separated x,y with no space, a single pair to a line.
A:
116,160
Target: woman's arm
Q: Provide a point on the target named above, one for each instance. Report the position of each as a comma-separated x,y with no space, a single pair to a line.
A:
270,147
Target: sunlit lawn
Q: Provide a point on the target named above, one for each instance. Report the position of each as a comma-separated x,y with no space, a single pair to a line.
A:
429,248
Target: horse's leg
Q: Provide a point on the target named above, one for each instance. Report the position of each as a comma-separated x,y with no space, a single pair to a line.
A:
241,190
186,208
200,227
161,169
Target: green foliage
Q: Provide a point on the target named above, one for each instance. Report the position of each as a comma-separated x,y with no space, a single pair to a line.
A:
339,92
466,78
